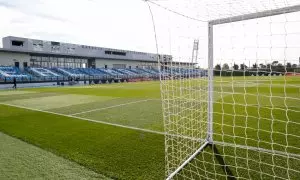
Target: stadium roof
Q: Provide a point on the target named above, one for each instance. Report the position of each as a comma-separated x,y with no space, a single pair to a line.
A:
59,49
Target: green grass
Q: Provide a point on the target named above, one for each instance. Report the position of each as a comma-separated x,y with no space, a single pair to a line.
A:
132,90
148,115
20,160
123,153
261,113
112,151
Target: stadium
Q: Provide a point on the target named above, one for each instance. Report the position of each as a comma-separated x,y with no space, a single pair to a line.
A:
217,98
32,60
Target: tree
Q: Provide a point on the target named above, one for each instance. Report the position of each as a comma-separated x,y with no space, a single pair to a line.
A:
243,67
218,67
279,68
254,66
294,66
225,66
288,65
235,66
274,63
262,66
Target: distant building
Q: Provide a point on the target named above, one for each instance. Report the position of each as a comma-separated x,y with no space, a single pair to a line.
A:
24,52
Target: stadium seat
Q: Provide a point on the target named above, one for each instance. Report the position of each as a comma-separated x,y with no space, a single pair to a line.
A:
43,73
92,72
71,72
10,72
126,72
111,72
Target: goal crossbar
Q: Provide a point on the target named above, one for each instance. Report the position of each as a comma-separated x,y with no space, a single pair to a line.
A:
273,12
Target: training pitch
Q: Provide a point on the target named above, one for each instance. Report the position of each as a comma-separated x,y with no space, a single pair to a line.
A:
115,131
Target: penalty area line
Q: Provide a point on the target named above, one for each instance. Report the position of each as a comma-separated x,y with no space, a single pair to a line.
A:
86,119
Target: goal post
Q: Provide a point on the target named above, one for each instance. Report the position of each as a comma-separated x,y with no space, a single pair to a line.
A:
229,117
210,82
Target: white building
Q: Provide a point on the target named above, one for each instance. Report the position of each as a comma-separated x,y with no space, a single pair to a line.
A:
23,52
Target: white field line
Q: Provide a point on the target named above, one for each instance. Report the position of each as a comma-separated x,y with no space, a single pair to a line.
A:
162,133
221,143
85,119
124,104
268,151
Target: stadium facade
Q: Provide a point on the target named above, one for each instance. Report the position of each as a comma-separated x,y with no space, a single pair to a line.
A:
23,52
33,62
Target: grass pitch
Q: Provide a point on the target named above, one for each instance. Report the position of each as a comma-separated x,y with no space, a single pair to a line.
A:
255,128
20,160
78,123
115,152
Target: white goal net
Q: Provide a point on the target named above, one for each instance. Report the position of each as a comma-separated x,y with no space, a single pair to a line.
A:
230,87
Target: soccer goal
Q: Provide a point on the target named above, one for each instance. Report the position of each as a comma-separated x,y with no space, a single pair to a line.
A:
230,97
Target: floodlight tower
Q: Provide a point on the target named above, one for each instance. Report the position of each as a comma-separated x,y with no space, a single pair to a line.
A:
195,51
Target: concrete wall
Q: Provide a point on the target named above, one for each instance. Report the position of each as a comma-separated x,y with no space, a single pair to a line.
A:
9,59
7,43
41,46
100,63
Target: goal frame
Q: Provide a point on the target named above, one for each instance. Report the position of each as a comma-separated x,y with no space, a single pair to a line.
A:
210,73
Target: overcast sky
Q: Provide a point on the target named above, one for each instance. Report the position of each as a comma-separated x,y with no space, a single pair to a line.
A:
109,23
127,24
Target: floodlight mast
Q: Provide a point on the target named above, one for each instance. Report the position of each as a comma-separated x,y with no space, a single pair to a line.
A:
195,50
256,15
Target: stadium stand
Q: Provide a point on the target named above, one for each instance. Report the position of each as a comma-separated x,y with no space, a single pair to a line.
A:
111,72
42,72
134,71
92,72
71,72
151,71
138,71
8,73
127,72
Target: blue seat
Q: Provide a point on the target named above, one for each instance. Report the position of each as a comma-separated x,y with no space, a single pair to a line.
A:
43,72
10,72
92,72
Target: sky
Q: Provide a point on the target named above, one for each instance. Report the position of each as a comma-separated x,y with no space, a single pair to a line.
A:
104,23
127,24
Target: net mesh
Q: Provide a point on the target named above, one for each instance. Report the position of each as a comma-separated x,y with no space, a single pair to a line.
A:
256,88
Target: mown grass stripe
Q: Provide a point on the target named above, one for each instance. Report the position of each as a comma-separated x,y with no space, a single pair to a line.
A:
20,160
124,104
85,119
162,133
118,153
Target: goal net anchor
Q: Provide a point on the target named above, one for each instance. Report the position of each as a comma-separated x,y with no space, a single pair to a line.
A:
187,161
